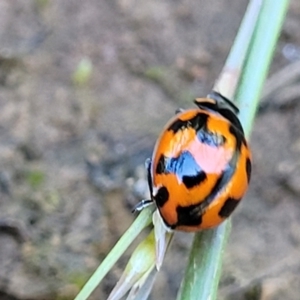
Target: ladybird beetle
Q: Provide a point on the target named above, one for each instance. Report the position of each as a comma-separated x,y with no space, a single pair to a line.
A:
201,166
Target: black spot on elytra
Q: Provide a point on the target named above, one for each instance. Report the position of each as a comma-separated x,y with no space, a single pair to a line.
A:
239,136
210,138
228,207
248,169
177,125
220,183
192,181
189,216
217,187
197,122
192,215
160,167
162,196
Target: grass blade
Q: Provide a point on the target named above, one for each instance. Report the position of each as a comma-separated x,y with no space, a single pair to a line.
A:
207,246
227,82
259,59
143,220
203,270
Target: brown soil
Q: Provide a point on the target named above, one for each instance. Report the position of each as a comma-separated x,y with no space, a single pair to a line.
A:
68,144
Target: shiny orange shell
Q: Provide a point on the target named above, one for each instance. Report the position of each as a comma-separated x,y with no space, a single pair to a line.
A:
200,169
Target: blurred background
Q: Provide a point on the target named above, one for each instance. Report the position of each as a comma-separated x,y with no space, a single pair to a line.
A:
85,89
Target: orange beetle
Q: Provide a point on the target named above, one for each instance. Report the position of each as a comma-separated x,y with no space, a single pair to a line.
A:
201,166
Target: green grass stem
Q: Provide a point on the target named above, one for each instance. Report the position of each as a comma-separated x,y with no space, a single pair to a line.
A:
259,59
228,79
143,220
205,260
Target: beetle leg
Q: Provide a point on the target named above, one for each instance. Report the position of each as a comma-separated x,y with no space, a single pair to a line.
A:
148,168
146,202
142,204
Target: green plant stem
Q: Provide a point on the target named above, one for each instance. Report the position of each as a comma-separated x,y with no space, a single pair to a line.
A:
207,247
259,59
227,81
143,220
203,270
